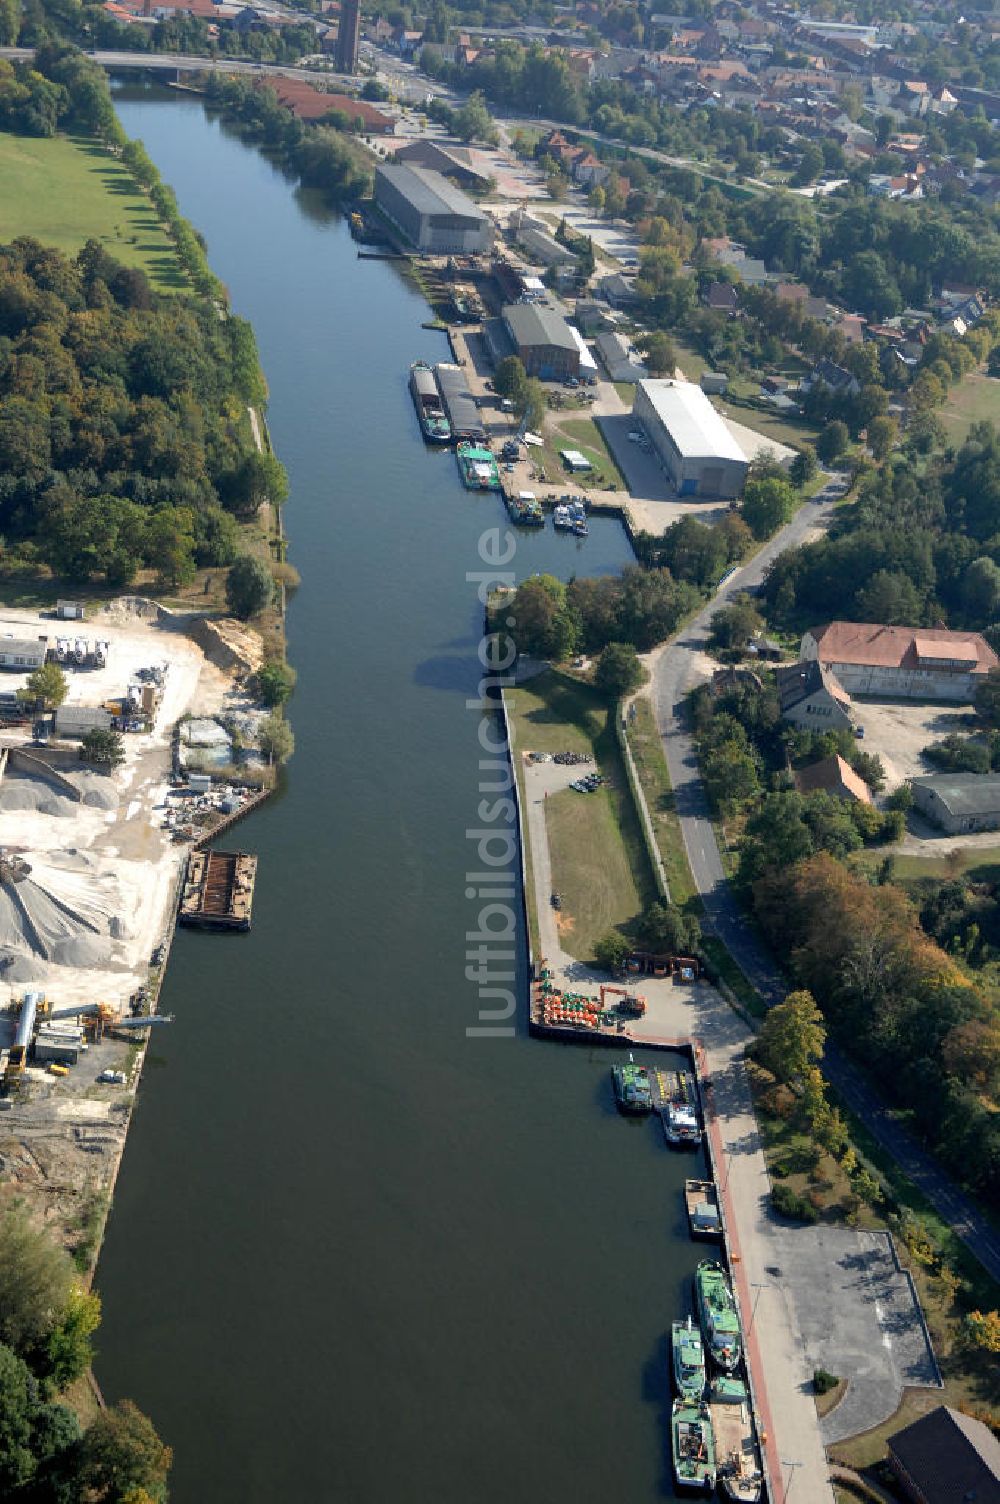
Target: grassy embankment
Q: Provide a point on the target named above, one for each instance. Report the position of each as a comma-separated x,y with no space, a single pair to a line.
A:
564,431
66,190
599,862
975,399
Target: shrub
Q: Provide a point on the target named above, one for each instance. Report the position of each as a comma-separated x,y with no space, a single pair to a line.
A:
823,1381
789,1203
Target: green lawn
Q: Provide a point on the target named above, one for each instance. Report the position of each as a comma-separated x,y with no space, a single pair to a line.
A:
64,191
583,434
783,430
654,779
974,399
599,860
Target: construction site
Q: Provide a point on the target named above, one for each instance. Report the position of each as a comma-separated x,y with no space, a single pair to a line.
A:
92,860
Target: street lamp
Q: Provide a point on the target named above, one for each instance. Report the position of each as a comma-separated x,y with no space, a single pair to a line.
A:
791,1473
758,1286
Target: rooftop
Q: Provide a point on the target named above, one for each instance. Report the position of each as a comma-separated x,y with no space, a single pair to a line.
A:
530,326
832,775
428,192
695,427
949,1456
963,794
877,646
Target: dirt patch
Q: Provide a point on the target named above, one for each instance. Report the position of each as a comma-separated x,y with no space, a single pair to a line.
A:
231,645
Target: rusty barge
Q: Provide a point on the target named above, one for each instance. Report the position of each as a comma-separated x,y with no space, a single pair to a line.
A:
218,890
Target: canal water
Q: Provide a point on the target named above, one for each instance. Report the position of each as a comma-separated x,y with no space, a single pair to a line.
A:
356,1255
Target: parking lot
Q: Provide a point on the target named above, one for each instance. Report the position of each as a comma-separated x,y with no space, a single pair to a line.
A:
859,1319
898,731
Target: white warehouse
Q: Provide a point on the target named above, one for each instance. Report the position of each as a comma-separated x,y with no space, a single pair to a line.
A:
690,440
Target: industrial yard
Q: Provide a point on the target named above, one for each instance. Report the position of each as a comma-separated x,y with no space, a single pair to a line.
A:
90,866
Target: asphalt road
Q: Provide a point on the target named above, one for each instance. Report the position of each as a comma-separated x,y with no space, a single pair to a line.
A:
726,919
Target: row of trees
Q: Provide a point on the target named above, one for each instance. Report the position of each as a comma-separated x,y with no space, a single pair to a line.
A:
638,608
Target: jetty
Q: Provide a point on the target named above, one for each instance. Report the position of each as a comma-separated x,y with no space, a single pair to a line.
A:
218,890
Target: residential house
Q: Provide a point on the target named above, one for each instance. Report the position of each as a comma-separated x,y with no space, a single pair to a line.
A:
811,696
721,297
835,378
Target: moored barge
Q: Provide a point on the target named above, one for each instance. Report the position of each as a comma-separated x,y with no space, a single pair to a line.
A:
218,890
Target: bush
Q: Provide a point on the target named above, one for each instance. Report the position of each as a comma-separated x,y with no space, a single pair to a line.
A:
789,1203
249,587
823,1381
612,951
274,683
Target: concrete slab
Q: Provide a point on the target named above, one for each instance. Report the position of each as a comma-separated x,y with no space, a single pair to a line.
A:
859,1318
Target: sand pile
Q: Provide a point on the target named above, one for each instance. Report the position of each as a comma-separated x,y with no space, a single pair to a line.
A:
63,911
98,792
36,795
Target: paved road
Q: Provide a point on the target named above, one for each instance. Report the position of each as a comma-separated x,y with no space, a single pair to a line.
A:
727,920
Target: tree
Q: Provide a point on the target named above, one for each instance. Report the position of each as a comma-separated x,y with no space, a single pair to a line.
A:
660,354
473,122
275,682
277,741
890,597
46,686
36,1281
259,478
981,1330
883,433
18,1408
792,1037
735,625
612,951
767,505
104,748
532,404
249,587
618,670
69,1350
832,442
545,626
803,466
668,931
121,1452
170,544
510,379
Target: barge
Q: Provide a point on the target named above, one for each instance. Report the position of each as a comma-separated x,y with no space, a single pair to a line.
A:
631,1086
701,1201
675,1097
218,890
478,468
693,1446
739,1473
431,415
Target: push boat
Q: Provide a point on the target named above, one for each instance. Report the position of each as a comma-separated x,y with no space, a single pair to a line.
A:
632,1090
434,424
478,468
693,1446
720,1322
561,519
740,1476
701,1201
688,1361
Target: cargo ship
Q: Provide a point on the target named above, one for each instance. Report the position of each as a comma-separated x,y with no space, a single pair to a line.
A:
720,1322
688,1360
702,1203
478,468
740,1477
427,400
632,1093
693,1447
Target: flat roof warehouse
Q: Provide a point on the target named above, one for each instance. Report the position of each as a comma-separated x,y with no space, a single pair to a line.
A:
695,427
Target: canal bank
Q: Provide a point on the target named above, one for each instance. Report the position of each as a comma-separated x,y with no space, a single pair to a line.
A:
314,1276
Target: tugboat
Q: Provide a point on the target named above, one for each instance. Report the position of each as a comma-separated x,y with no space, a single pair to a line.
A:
693,1447
478,468
632,1090
720,1322
525,509
689,1361
427,400
741,1479
561,520
578,518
